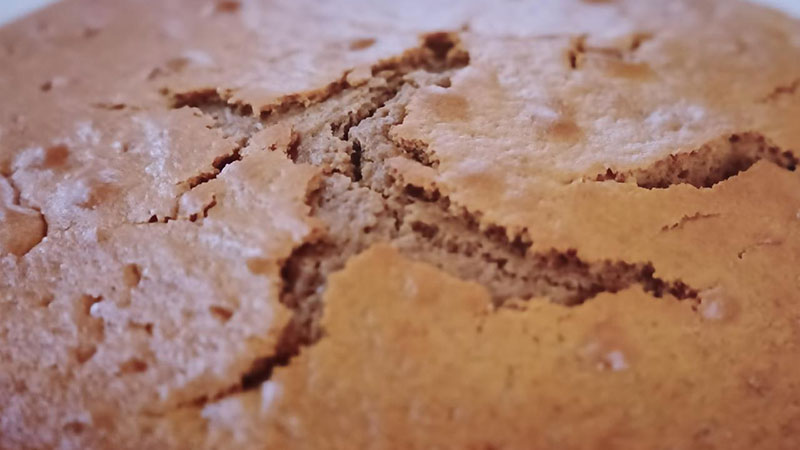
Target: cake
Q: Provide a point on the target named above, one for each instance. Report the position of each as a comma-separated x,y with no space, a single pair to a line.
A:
299,224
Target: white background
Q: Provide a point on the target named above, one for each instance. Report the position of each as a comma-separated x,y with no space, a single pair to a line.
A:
12,9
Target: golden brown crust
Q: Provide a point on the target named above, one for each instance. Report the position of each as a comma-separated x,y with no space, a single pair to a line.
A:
175,190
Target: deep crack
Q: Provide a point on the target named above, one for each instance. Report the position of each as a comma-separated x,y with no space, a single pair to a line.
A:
362,201
712,163
355,160
218,165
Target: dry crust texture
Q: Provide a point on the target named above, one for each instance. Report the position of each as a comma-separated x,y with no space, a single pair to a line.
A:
552,224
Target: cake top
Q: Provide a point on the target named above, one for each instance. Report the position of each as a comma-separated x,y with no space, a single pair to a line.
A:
439,224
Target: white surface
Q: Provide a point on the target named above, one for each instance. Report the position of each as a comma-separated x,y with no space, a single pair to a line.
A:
13,9
790,6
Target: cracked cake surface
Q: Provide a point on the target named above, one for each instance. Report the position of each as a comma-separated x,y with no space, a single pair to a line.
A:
444,224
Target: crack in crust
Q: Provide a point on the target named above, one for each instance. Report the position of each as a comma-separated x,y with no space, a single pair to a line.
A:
778,92
688,219
712,163
623,50
323,139
362,200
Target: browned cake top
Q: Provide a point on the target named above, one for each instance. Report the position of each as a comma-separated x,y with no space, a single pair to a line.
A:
419,224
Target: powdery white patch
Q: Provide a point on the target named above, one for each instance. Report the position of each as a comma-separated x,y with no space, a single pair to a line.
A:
410,289
605,357
118,146
107,175
226,413
28,157
198,58
270,392
235,414
86,133
8,265
696,112
227,239
71,192
663,119
616,360
540,112
675,117
156,146
472,166
716,304
712,310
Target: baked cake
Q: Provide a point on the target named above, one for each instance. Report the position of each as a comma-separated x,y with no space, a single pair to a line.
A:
301,224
